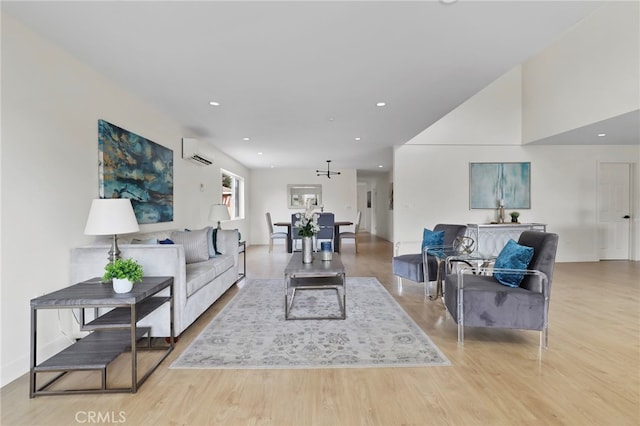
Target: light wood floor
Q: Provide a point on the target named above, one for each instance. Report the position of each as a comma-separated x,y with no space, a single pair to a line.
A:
589,375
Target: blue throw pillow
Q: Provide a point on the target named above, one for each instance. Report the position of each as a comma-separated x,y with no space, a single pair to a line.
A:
211,240
214,238
512,256
432,239
165,241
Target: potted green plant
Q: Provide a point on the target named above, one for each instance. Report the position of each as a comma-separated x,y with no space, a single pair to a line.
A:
514,216
124,273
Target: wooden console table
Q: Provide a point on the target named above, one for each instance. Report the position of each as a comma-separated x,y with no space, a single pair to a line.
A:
113,332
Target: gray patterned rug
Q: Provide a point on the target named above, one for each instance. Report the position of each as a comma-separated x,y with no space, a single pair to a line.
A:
251,332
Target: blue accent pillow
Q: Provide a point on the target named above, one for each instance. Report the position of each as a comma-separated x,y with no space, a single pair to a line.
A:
211,241
432,239
214,239
165,241
512,256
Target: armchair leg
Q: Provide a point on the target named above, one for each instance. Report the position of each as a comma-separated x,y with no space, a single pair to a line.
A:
427,291
460,311
544,339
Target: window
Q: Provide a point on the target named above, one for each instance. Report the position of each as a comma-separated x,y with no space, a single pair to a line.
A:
233,194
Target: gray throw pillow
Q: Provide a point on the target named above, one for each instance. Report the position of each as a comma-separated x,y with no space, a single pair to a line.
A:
196,247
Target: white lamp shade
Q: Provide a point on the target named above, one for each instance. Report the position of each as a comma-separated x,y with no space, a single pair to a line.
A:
111,216
218,213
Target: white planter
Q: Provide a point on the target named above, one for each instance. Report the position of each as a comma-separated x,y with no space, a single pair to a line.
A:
122,285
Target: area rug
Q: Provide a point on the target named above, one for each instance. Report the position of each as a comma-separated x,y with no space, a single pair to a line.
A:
251,332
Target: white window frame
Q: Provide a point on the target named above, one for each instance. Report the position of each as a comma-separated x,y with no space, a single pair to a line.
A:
235,200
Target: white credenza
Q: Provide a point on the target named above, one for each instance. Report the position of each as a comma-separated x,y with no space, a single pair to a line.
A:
490,238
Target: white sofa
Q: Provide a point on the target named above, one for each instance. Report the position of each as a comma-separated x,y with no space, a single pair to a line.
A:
197,285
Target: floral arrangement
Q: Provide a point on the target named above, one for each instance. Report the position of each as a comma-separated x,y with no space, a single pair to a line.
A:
307,223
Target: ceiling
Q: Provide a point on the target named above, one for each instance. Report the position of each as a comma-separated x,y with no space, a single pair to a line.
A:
301,79
623,129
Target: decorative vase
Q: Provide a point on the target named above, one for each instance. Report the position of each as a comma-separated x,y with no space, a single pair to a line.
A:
122,285
307,249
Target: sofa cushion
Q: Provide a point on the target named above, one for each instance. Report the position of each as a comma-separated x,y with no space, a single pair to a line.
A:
512,256
487,303
200,274
144,236
147,241
196,248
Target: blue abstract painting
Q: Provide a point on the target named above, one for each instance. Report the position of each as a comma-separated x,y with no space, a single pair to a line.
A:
136,168
489,183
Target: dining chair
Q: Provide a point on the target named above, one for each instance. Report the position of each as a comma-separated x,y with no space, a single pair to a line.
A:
294,233
354,234
326,222
273,235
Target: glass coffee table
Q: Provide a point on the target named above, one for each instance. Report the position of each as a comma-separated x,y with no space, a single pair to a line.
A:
317,275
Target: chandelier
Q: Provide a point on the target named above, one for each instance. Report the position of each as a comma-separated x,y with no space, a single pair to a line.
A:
328,173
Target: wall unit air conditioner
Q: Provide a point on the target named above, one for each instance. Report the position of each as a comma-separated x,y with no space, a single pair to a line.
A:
191,152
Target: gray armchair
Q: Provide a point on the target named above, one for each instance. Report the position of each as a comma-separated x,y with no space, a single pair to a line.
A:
413,266
475,298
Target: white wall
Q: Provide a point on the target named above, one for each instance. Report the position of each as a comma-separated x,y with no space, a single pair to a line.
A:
51,104
268,193
589,75
563,190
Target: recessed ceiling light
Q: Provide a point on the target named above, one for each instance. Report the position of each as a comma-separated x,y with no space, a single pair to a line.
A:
245,139
272,166
380,166
381,104
357,139
214,103
602,134
260,153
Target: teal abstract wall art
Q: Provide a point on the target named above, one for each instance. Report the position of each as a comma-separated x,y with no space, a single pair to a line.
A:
131,166
489,183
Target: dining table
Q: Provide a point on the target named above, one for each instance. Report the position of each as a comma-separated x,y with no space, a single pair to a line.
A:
336,234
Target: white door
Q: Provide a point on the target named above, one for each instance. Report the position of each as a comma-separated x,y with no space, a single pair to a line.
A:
614,222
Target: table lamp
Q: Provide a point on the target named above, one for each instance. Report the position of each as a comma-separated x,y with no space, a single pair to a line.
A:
218,213
111,216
